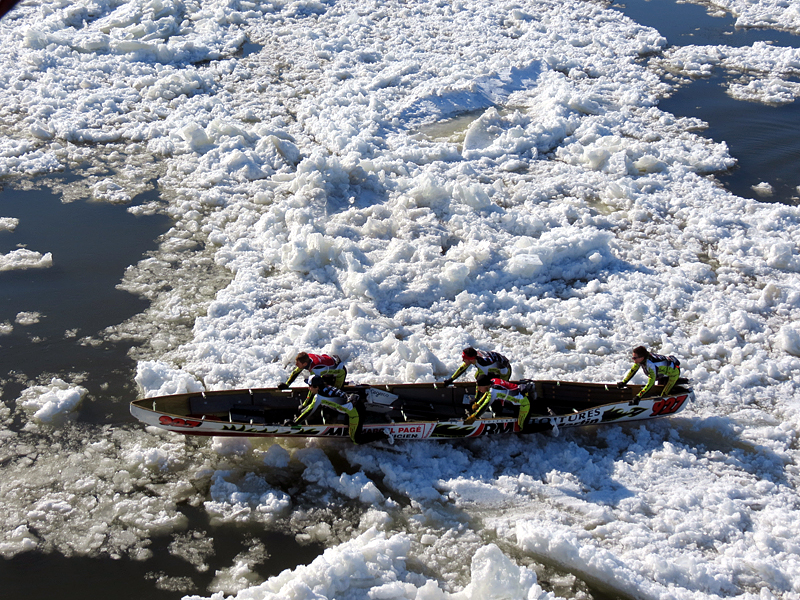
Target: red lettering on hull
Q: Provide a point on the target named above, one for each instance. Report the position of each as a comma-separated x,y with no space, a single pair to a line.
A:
667,406
417,429
170,422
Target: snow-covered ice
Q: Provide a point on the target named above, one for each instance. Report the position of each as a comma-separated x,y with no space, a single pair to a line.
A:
28,317
391,182
50,403
8,223
22,258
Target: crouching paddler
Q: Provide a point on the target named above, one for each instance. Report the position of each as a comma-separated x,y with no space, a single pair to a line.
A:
664,370
321,394
498,390
327,366
492,364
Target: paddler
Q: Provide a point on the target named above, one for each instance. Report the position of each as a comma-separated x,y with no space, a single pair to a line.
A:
327,366
492,364
322,394
664,370
499,390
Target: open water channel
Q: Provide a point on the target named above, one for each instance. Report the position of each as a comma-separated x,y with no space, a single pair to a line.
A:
765,140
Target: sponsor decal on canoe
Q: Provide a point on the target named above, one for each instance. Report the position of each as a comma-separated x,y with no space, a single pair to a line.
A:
478,428
585,417
657,407
667,406
404,431
167,421
617,413
286,430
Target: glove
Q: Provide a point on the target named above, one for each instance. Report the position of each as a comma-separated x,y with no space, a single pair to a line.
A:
621,384
283,386
474,406
469,420
447,382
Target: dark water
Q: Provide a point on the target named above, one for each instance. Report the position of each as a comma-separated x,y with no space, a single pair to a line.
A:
92,244
690,24
34,576
765,140
250,48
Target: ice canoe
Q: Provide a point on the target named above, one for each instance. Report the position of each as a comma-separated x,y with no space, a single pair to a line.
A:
403,411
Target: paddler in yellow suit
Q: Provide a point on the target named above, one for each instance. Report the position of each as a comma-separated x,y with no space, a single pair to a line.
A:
658,368
327,366
493,364
320,394
498,390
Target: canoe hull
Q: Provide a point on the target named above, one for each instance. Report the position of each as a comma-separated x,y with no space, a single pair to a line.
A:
418,411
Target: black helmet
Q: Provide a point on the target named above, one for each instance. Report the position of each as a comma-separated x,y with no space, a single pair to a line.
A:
483,380
316,381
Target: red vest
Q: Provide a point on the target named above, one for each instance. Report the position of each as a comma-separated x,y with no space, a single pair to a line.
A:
511,387
321,360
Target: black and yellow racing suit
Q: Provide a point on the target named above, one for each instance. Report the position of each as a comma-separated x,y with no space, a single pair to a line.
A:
492,364
333,398
655,367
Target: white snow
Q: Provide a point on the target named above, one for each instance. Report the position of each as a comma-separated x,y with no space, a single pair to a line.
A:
28,317
49,403
22,258
391,182
8,223
380,560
